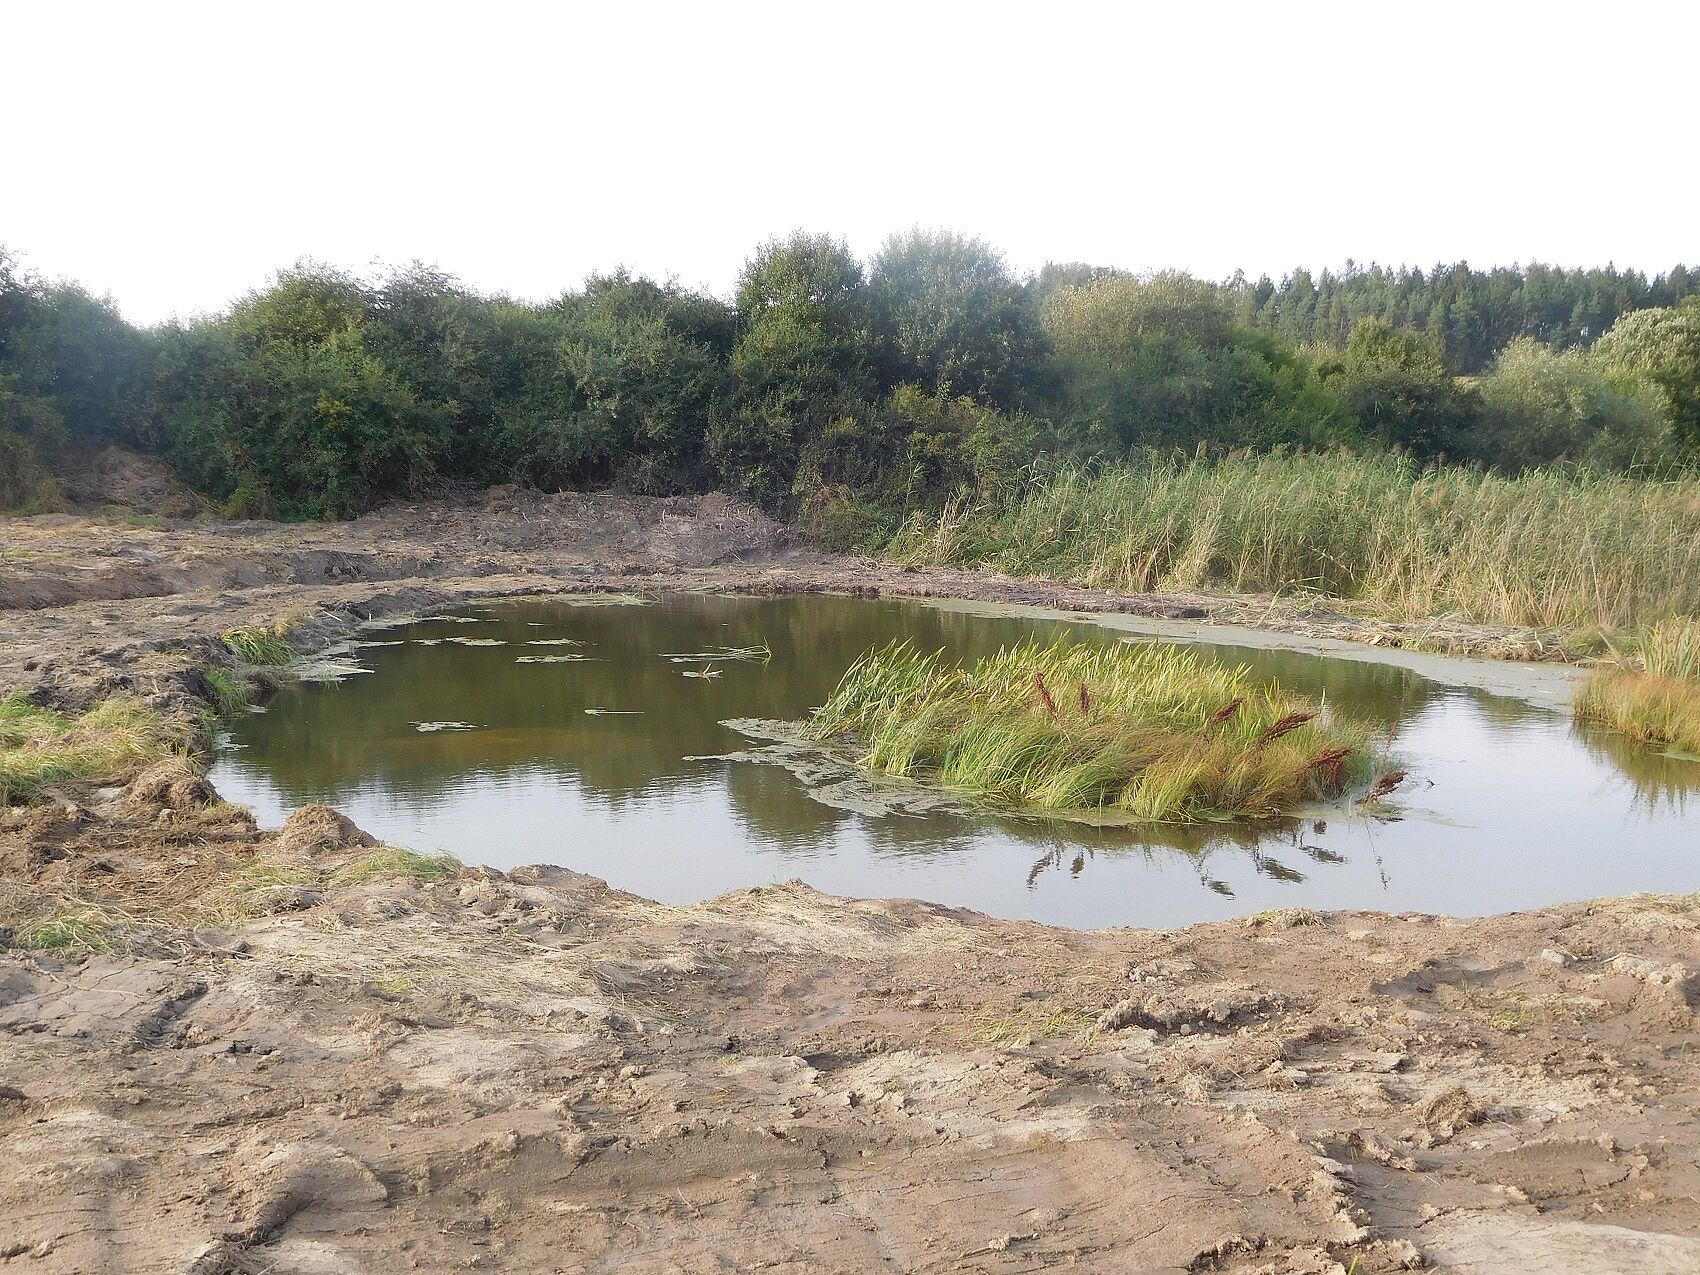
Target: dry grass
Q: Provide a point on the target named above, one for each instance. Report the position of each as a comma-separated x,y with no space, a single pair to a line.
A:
1658,705
1155,732
1661,711
41,750
1546,549
394,862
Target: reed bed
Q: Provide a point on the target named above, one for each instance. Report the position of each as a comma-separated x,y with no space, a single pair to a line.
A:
1547,549
1672,649
1661,711
1659,704
41,749
1155,732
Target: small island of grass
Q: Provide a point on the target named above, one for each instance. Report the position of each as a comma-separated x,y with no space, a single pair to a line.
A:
1149,731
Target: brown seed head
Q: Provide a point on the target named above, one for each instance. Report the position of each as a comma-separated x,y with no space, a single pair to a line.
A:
1291,722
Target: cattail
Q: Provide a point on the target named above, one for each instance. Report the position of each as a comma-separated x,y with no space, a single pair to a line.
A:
1045,695
1331,763
1385,784
1291,722
1085,701
1227,710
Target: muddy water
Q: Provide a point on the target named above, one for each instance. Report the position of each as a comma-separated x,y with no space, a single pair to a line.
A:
546,732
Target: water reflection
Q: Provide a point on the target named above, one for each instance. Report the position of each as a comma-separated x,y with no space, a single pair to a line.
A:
590,764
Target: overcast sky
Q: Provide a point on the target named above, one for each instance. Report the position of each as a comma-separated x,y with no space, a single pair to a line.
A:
176,154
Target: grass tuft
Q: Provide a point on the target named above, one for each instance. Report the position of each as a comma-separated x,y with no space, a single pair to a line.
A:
256,645
394,862
64,933
229,694
1672,649
1656,710
41,749
1146,734
1660,705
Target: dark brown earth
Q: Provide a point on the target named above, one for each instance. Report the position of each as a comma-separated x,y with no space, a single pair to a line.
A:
296,1059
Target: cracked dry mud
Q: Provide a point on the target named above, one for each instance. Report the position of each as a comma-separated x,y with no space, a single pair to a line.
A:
286,1070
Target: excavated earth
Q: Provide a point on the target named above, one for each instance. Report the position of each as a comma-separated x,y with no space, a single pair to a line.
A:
286,1059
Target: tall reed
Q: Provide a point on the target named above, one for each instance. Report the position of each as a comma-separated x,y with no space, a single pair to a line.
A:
1658,704
1548,549
1660,711
1157,732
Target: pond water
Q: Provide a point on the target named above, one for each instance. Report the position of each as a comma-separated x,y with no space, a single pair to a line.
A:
552,731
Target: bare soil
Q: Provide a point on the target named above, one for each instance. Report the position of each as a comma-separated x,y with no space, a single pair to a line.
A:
287,1064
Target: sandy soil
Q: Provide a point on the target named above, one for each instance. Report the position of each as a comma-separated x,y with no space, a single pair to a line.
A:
284,1066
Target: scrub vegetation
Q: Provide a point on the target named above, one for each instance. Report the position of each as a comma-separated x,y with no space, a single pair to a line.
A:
1154,732
1507,445
41,749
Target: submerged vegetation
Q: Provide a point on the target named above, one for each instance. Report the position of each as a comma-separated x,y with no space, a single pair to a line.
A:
1152,732
1565,550
41,749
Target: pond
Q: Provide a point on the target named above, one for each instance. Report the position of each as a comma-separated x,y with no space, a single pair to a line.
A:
568,731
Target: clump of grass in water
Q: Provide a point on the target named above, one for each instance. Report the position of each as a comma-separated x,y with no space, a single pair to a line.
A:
41,749
255,645
1154,731
1673,650
1659,705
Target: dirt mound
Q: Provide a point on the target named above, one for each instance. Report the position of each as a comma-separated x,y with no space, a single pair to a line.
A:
318,830
169,785
673,530
119,477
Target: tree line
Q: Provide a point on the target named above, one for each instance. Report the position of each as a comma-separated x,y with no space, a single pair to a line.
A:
840,391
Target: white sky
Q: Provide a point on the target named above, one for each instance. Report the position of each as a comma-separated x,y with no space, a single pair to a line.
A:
176,154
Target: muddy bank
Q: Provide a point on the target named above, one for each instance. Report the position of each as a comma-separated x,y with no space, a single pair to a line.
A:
58,571
285,1067
296,1051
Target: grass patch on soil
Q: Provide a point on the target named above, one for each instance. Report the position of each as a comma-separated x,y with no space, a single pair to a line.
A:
1549,549
65,932
256,645
41,749
1155,732
392,862
229,694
